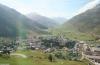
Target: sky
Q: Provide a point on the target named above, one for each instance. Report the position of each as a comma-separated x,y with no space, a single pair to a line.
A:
50,8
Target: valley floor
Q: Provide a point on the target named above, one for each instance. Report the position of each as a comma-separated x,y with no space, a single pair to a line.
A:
37,57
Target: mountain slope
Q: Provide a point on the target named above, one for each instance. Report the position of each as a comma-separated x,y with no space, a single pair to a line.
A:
13,24
45,21
88,21
60,20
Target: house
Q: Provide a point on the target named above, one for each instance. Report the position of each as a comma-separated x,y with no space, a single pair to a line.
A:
34,42
96,51
94,55
79,46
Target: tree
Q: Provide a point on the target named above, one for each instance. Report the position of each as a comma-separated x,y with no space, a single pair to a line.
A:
51,57
70,44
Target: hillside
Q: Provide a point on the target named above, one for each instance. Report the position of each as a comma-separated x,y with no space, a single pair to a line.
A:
60,20
43,20
88,22
13,24
85,26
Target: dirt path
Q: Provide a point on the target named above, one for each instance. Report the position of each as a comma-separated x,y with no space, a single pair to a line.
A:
17,54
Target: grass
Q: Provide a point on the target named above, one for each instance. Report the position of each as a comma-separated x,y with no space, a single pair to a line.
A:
37,58
71,34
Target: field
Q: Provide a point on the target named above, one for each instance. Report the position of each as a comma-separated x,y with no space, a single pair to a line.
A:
71,34
36,58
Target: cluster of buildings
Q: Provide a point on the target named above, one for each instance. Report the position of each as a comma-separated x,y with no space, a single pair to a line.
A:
37,41
89,52
92,53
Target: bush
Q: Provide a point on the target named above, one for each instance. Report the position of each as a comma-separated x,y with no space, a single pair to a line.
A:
60,55
51,57
69,55
73,56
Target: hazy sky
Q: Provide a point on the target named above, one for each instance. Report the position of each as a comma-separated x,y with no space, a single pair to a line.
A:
49,8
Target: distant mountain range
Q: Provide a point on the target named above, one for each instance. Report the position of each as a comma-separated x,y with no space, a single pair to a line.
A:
60,20
13,24
45,21
88,21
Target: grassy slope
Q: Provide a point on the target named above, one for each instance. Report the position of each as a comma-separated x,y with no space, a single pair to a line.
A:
37,58
71,33
13,24
88,21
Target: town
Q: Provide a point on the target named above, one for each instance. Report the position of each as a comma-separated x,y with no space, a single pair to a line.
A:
49,44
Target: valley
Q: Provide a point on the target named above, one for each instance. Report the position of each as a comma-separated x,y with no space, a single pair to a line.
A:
36,39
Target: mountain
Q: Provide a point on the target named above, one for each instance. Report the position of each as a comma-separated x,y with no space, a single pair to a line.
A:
13,24
88,21
45,21
60,20
91,4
